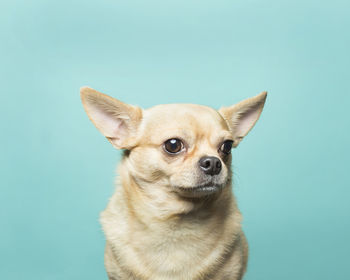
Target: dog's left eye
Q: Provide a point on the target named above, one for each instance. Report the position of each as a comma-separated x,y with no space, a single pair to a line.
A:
173,146
226,147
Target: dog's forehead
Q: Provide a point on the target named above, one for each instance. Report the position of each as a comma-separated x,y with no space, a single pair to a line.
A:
184,118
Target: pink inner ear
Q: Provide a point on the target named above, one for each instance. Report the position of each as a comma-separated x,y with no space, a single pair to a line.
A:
120,131
246,121
111,126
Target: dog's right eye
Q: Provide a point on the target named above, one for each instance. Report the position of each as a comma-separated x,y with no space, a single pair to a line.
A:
226,147
173,146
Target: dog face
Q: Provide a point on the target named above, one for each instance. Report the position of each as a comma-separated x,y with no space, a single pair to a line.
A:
185,148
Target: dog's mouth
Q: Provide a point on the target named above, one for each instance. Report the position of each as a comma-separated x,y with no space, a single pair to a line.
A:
200,190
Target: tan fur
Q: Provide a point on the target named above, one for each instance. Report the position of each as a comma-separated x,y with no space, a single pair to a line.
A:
156,228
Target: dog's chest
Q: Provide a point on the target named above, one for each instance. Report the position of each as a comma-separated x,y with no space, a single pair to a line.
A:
177,250
176,245
185,248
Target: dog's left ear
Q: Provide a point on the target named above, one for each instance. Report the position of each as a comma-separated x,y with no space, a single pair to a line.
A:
116,120
242,117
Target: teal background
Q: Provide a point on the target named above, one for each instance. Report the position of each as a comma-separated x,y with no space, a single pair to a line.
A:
291,172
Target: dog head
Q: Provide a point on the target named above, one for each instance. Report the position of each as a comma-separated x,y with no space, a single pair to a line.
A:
185,148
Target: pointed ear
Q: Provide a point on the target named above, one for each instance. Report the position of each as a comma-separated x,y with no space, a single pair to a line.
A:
242,117
117,121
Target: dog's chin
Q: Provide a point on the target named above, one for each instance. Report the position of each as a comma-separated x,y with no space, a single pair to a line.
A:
199,191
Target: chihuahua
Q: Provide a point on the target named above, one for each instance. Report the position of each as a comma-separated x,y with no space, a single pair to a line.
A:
173,215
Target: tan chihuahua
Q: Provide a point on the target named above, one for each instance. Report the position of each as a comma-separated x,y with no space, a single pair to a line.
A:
173,215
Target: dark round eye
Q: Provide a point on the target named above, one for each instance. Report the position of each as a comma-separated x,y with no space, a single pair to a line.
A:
226,147
173,146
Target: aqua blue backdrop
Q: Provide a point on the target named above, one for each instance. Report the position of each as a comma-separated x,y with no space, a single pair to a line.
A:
291,172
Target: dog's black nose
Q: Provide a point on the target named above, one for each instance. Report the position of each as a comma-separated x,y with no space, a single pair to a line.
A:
210,165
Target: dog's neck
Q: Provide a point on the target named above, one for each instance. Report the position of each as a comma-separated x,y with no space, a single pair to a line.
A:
158,201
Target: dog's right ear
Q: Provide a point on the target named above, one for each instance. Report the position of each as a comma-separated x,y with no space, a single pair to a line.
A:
242,117
117,121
